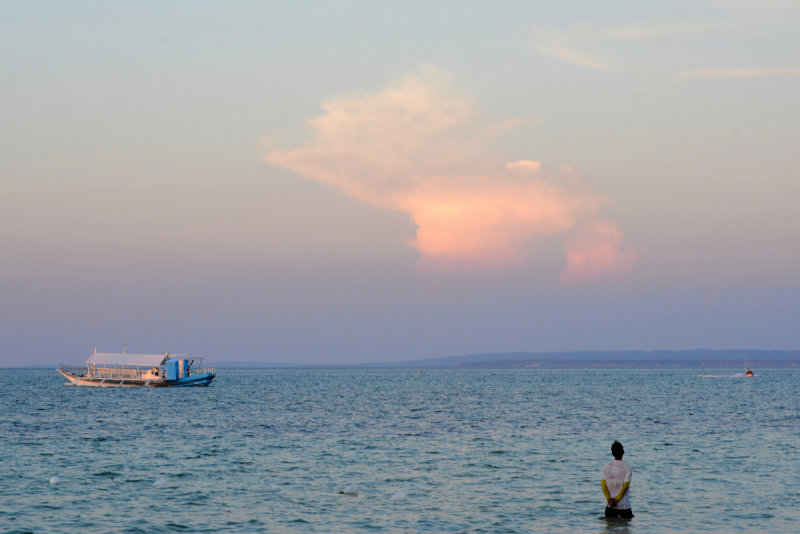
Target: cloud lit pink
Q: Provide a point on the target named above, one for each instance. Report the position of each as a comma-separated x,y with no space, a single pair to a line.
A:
420,146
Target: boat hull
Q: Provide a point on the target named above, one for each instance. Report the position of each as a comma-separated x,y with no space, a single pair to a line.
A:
203,379
194,380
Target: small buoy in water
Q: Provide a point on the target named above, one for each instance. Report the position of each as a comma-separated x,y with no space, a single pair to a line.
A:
160,482
55,480
350,489
399,496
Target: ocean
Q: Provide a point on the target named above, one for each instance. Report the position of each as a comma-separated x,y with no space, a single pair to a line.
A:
442,450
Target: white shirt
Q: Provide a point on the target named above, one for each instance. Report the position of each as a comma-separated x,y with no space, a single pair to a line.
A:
616,473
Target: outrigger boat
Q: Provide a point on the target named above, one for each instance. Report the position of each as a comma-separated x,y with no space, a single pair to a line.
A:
108,369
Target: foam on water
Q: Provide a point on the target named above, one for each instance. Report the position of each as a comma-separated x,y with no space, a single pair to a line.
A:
399,496
484,450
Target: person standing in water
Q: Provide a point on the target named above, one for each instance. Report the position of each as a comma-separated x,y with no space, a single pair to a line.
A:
615,481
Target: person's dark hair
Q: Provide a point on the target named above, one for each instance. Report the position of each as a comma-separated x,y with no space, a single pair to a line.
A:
617,450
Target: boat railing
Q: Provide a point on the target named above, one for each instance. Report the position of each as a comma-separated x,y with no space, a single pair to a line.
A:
121,373
127,373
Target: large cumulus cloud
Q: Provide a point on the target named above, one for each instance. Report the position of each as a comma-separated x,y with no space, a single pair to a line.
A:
419,146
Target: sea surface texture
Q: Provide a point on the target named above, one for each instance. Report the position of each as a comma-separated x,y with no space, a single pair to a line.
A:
442,450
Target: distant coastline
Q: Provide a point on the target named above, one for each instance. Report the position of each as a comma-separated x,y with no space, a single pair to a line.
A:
657,358
632,358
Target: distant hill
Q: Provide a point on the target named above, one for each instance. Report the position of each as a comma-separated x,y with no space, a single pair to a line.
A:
630,358
656,358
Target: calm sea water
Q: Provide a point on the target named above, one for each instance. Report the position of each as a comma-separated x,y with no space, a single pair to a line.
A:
445,450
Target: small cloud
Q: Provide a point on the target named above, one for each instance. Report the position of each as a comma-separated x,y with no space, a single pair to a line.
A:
420,146
717,74
570,55
562,45
524,165
623,47
569,45
642,30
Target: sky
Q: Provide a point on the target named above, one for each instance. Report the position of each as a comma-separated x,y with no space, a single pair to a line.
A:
350,182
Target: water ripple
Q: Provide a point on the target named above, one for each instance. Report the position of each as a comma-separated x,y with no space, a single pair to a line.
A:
470,450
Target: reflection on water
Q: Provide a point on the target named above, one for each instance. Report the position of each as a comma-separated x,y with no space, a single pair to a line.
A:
616,525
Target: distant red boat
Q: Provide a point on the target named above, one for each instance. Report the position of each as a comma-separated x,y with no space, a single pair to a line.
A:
748,372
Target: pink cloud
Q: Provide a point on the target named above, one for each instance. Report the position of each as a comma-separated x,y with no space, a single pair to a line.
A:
420,147
524,165
596,250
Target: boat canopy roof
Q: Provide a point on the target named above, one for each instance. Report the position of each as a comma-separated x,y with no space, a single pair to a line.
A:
123,358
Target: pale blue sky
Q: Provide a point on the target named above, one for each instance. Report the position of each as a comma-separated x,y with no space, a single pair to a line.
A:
136,197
